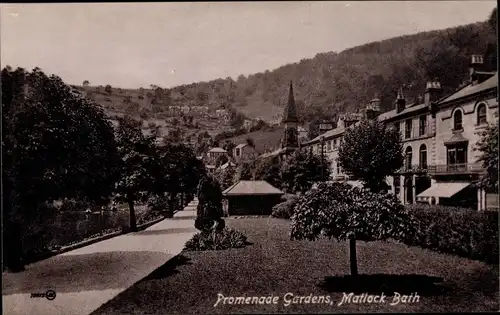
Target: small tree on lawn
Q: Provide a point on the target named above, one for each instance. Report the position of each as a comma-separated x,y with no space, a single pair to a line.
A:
340,211
138,153
488,147
371,152
302,170
209,211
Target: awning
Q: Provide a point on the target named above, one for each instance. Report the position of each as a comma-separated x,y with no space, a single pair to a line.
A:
444,190
456,139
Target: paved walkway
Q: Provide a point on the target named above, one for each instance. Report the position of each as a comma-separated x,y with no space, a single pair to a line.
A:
88,277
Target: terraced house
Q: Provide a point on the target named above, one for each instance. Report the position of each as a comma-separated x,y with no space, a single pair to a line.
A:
439,137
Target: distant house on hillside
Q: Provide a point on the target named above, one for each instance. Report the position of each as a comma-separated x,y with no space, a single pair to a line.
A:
244,152
213,154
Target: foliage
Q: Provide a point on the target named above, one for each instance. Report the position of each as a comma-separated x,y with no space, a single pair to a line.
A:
269,170
225,177
488,147
285,209
138,160
209,211
371,151
56,144
301,170
225,239
108,89
461,232
221,160
244,171
339,210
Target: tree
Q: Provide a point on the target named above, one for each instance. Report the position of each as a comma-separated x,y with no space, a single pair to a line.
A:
244,171
371,151
340,211
269,170
488,147
108,89
138,153
56,144
301,170
225,177
228,145
86,83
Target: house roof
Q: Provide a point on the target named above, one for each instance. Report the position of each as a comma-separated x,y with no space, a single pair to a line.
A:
290,113
269,154
252,187
217,150
473,89
241,145
226,165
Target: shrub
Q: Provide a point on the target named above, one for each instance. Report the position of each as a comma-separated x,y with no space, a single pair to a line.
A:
209,211
457,231
225,239
158,203
284,210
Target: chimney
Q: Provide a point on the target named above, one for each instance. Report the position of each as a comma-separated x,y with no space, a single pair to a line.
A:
476,64
433,92
373,109
400,101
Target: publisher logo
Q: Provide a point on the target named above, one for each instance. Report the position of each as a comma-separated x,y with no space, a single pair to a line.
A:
49,295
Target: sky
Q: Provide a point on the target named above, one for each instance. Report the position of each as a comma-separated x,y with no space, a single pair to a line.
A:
130,45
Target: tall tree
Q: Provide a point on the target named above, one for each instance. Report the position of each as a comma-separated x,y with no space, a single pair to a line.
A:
56,144
488,147
301,170
371,151
138,158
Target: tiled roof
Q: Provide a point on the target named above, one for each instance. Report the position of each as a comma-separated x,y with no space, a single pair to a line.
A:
473,89
252,187
218,150
269,154
241,145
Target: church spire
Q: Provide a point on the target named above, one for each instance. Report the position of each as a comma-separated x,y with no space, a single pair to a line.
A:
290,113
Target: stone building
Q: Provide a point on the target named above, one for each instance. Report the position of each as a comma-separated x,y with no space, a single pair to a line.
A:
439,136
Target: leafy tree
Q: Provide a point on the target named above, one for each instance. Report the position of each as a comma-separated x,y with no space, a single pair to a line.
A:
488,147
371,151
244,171
55,145
269,170
108,89
178,172
228,145
138,153
300,171
86,83
250,142
340,211
225,177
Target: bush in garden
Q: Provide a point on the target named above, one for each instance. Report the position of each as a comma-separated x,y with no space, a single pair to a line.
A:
284,210
213,240
457,231
209,211
158,203
341,211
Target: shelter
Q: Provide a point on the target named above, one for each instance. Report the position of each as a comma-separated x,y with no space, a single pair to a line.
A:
252,197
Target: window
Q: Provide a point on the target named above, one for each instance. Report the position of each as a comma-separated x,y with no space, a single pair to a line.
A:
481,114
397,185
397,126
457,154
423,157
457,120
329,146
408,156
408,129
422,125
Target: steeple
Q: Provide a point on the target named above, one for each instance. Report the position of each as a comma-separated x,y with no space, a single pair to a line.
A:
290,142
290,113
400,101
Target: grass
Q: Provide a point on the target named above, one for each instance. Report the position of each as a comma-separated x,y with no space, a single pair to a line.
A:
274,265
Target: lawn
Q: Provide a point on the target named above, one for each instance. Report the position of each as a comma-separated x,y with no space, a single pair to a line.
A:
274,265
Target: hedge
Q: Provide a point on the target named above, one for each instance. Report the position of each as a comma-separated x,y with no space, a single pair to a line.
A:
457,231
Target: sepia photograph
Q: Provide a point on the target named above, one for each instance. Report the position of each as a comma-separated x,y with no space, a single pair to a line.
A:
249,157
